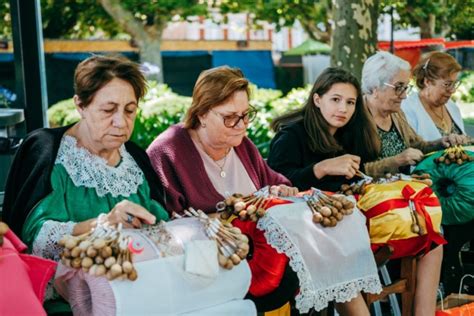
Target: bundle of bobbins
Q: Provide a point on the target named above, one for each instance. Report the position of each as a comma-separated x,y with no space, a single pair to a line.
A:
104,251
3,230
232,245
328,210
454,155
360,186
250,207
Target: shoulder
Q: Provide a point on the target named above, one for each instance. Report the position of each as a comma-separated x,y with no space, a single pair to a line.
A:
294,132
411,105
42,142
170,141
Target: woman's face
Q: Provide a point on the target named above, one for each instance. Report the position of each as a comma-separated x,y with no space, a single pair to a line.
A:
337,105
110,116
217,133
439,91
389,97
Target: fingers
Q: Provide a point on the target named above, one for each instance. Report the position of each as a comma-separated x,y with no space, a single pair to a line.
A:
130,215
283,190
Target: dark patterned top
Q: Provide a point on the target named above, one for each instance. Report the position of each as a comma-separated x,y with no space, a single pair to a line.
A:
391,142
454,129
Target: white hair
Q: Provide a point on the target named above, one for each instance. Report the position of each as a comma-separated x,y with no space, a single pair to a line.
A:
380,68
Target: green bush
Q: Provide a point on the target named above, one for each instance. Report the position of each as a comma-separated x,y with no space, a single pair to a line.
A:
465,92
161,108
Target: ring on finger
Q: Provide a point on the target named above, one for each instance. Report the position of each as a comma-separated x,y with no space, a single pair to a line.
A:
129,218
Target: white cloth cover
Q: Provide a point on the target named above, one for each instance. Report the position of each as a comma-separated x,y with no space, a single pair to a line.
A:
163,286
332,263
421,121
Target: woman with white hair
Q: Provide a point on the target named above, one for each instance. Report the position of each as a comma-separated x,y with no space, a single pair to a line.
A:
385,83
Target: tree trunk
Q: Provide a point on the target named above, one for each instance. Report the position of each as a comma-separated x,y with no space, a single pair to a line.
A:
354,37
150,52
148,38
427,27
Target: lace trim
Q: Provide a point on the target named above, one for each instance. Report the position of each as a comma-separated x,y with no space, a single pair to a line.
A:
91,171
46,243
309,297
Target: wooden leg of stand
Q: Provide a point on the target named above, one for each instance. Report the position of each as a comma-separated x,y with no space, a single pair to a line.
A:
408,272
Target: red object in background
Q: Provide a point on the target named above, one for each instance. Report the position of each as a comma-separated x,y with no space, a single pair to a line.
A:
412,50
23,278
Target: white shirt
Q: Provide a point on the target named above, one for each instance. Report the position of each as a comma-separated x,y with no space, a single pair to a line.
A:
421,121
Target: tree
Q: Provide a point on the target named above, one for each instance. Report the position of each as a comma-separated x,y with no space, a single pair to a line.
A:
144,21
435,18
314,16
355,33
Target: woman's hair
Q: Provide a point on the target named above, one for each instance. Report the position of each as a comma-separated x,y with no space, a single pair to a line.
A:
96,71
358,136
213,88
435,65
380,68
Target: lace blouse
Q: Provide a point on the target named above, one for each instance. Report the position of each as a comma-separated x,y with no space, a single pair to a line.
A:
84,186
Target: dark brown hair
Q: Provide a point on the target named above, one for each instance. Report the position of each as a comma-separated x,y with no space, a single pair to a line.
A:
435,65
214,87
358,136
96,71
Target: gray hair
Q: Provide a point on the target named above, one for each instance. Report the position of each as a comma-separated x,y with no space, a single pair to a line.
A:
380,68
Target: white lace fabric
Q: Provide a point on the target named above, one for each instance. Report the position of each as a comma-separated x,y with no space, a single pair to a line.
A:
331,263
46,246
91,171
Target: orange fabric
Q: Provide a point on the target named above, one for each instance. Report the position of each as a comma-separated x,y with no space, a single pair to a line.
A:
465,310
285,310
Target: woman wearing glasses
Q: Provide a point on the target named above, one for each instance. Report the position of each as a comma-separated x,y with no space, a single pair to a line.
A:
209,157
431,112
385,84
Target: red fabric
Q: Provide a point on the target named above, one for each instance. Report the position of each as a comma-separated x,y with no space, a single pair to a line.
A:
23,279
267,265
410,246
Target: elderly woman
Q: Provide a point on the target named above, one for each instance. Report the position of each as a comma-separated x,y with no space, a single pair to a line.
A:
385,83
431,112
209,157
65,180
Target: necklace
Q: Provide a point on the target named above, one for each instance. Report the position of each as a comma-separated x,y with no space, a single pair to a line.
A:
441,121
221,168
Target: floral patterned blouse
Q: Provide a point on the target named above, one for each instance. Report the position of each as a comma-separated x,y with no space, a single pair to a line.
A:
391,142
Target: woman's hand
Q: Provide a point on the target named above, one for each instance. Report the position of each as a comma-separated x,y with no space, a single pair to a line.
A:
346,165
283,190
409,156
131,215
454,139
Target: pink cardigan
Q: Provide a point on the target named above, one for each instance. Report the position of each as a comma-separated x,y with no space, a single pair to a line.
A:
181,170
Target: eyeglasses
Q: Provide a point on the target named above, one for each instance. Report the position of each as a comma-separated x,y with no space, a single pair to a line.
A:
231,121
451,85
399,89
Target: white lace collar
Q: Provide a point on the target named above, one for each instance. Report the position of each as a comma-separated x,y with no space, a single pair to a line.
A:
92,171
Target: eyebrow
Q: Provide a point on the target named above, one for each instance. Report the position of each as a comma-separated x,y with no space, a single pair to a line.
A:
116,104
338,95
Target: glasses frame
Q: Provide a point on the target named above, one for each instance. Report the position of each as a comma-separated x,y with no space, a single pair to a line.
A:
241,117
453,86
399,90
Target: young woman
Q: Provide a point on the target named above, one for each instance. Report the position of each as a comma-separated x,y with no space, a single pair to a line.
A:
325,143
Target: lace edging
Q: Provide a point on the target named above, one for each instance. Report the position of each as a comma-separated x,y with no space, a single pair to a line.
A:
308,296
46,242
91,171
279,239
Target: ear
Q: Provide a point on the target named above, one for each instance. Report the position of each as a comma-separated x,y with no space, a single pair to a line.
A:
202,119
77,102
316,99
426,81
